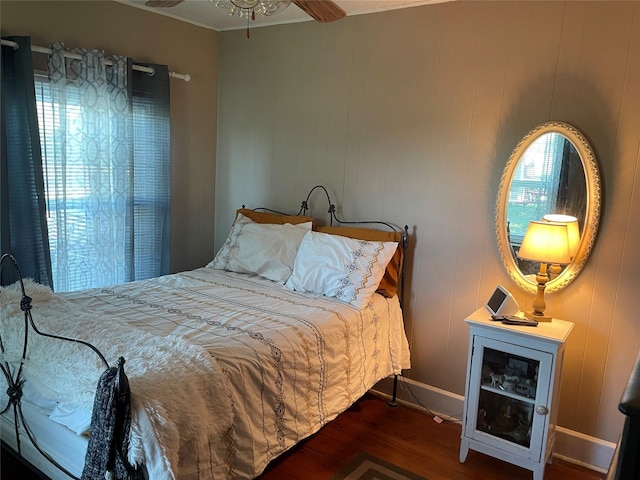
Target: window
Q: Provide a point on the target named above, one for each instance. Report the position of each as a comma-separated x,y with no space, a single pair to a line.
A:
535,184
107,198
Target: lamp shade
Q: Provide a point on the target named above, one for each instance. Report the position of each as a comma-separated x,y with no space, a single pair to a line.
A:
546,242
572,226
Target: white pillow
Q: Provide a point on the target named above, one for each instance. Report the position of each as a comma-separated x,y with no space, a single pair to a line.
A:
340,267
268,250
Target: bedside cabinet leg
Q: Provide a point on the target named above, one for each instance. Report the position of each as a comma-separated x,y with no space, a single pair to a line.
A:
538,472
464,450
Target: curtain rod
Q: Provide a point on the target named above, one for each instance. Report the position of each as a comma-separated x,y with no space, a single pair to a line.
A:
182,76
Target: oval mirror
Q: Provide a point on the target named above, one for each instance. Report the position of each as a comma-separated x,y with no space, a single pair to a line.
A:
551,171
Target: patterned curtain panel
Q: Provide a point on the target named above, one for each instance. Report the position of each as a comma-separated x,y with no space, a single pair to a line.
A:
89,168
23,225
105,135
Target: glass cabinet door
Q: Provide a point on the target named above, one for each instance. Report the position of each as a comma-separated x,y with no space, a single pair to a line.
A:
509,393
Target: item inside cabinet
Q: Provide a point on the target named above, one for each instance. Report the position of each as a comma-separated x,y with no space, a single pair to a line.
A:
505,417
510,373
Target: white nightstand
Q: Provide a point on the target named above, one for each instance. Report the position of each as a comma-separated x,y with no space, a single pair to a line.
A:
512,390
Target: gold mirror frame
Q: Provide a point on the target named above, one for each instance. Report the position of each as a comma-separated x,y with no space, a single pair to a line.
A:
592,216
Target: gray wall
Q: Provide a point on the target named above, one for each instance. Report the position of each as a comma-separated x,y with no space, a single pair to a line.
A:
410,116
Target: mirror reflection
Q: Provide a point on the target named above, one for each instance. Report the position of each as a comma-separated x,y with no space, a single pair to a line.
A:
548,179
551,176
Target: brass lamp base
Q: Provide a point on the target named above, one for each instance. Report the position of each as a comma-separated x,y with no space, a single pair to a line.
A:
539,318
538,302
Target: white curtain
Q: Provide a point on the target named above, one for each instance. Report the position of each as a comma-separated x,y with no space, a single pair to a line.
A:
89,168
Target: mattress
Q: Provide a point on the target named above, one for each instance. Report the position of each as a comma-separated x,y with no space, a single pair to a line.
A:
63,445
289,362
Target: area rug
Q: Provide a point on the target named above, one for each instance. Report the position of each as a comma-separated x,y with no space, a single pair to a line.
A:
368,467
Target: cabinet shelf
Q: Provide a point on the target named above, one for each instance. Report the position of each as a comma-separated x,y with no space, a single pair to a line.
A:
506,393
519,436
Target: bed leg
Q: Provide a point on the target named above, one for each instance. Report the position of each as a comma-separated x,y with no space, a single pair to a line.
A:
392,402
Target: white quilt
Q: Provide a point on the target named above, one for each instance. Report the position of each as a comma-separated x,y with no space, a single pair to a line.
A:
288,362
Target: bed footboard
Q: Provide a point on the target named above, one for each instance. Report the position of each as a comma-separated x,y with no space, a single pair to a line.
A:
19,413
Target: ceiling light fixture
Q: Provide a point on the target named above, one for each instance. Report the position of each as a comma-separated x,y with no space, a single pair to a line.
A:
323,11
250,8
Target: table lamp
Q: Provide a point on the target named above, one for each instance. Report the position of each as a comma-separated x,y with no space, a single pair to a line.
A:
574,238
546,243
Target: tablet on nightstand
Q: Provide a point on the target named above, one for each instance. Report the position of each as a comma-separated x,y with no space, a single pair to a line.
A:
502,302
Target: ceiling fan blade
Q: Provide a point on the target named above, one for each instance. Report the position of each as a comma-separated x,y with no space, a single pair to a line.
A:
323,11
162,3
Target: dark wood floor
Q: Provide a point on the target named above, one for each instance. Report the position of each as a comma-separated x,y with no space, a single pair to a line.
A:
402,435
407,438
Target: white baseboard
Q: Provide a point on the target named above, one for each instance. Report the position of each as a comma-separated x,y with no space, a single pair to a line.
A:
571,446
585,450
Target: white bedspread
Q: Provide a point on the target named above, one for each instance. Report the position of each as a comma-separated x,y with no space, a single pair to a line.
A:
292,361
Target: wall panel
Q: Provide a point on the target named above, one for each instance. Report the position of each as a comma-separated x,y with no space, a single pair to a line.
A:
412,117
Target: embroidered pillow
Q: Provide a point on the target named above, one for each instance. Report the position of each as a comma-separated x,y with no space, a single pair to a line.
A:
341,267
391,279
268,250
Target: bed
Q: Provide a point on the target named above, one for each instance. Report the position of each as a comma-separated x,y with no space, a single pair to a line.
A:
227,366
